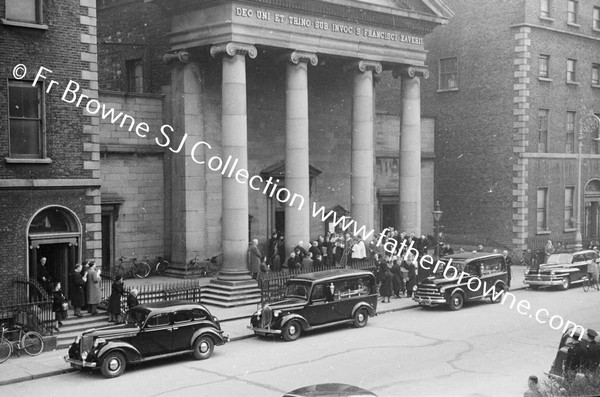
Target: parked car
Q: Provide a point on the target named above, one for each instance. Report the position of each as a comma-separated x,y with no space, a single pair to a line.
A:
150,331
453,291
557,369
316,300
330,390
561,269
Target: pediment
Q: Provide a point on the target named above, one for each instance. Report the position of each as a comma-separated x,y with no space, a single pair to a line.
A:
428,7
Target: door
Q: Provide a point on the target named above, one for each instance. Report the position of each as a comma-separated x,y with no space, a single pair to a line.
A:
59,258
321,305
183,328
157,336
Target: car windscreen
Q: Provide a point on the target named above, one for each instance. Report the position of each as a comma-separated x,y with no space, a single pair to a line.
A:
450,273
297,289
136,317
556,259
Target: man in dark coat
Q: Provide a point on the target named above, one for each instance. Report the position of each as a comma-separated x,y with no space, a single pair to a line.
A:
114,302
77,290
576,357
508,262
397,280
43,275
592,358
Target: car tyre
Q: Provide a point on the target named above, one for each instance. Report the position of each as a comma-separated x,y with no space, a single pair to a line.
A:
203,347
113,365
291,331
456,301
361,318
565,283
497,294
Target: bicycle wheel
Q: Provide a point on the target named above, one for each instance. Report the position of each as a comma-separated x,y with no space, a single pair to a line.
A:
141,269
162,266
586,284
5,350
32,343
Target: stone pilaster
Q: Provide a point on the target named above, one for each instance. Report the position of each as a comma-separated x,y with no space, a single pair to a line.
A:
410,149
297,178
362,167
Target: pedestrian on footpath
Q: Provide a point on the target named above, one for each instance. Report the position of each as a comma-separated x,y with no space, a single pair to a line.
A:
386,285
114,302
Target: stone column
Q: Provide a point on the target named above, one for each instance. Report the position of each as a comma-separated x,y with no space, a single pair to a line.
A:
234,144
362,168
297,179
410,150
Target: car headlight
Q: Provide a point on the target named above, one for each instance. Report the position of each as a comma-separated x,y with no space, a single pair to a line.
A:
84,355
443,289
277,313
98,342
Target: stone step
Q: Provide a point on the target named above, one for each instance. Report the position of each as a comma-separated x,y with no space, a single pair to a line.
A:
227,303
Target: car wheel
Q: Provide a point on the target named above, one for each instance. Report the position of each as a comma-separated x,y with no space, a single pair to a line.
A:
113,365
498,294
361,317
565,283
291,331
456,301
203,347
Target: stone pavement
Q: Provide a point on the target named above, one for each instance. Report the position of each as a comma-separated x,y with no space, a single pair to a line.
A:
234,321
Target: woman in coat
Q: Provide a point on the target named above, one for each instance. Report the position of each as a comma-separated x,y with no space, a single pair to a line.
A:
397,281
114,302
77,293
94,295
385,290
58,299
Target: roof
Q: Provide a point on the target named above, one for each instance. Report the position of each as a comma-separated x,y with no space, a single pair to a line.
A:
168,306
467,256
330,274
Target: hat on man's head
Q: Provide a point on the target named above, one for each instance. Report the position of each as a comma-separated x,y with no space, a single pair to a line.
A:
591,333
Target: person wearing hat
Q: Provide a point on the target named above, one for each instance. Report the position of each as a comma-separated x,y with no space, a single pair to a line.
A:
592,357
576,357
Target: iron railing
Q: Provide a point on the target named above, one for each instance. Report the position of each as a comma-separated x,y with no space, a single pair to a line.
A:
272,284
31,307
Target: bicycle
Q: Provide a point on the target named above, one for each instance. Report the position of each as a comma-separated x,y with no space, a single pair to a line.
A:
589,282
158,265
208,267
137,269
30,341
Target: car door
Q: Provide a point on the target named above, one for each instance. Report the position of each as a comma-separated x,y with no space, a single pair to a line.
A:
579,267
492,270
183,329
156,337
321,305
472,268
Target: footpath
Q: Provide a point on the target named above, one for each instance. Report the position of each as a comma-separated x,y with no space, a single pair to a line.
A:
234,321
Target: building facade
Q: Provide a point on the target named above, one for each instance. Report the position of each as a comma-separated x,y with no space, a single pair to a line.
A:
271,112
50,167
513,84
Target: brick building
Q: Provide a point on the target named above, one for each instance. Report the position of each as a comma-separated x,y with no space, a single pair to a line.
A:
213,76
50,167
512,83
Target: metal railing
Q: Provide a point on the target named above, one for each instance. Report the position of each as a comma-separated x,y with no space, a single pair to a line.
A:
272,284
31,307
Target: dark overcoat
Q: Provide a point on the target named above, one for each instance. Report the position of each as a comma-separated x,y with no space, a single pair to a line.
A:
114,302
77,294
386,284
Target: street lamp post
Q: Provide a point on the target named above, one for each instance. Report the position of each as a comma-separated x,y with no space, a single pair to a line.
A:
595,120
437,215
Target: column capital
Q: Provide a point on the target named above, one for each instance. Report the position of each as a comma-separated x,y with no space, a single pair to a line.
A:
364,65
233,48
412,71
180,55
296,57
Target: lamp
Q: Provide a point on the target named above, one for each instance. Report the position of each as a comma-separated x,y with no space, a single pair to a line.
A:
437,215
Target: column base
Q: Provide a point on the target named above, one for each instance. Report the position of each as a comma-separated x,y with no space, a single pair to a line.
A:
231,293
183,271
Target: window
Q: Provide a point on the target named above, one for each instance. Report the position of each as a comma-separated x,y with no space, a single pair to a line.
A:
26,119
542,209
183,316
29,11
159,320
448,74
135,81
595,74
543,130
198,314
571,65
545,8
596,18
543,62
569,217
572,8
570,143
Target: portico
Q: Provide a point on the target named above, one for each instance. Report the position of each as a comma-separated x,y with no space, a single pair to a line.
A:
280,49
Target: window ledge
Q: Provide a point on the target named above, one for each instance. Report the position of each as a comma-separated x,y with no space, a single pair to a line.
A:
570,230
545,79
447,89
16,160
595,85
573,83
549,19
24,24
574,25
543,232
595,30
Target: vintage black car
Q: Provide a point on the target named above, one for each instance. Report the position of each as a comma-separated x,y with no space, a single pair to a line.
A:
448,288
150,331
561,269
317,300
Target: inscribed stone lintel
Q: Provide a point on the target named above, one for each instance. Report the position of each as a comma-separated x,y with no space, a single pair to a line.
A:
412,71
233,48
